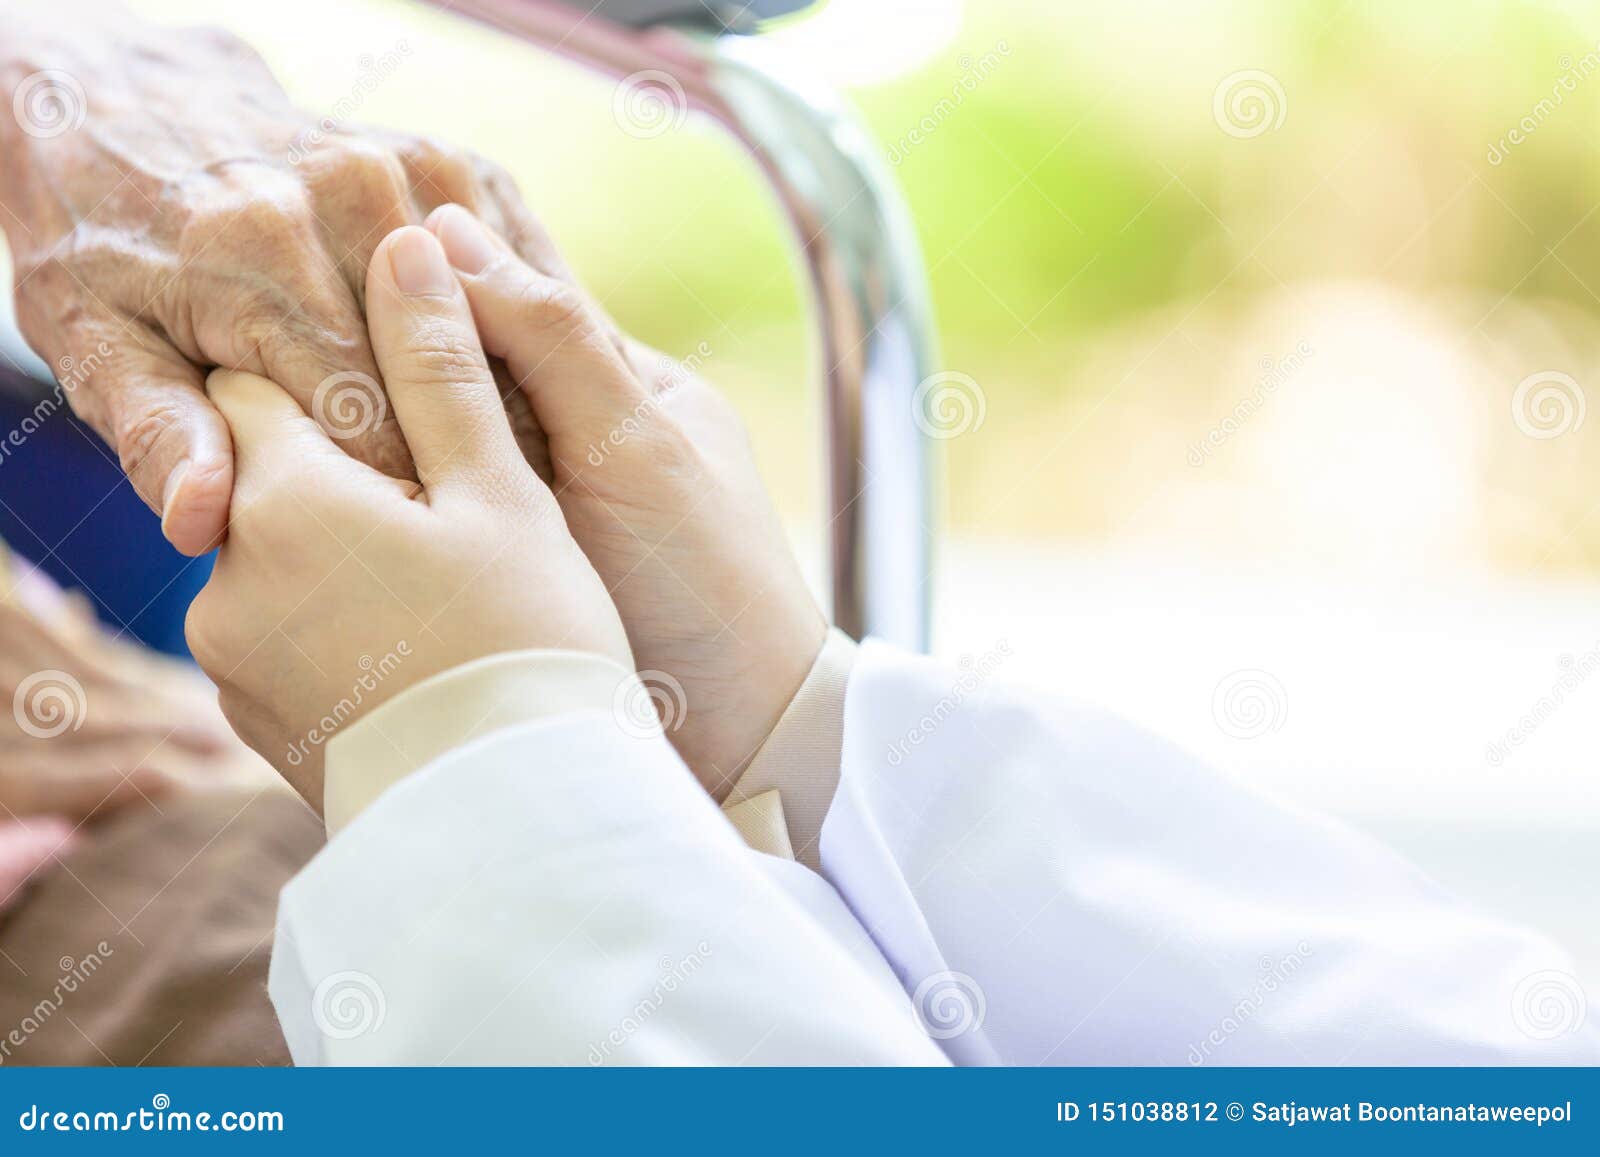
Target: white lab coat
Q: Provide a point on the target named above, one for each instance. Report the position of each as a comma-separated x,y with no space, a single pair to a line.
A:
1007,878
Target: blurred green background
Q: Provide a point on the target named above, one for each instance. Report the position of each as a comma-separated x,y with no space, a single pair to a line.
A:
1360,263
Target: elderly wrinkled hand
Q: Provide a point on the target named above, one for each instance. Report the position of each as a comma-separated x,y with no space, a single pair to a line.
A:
170,210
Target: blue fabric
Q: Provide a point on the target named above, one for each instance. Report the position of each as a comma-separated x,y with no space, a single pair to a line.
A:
66,506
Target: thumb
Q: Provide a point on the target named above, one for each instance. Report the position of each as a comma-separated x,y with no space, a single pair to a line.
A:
174,445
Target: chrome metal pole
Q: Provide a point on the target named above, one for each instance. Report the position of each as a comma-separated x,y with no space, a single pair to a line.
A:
866,272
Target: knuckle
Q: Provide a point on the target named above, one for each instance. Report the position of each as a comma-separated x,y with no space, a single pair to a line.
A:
448,170
258,314
287,331
546,305
244,203
674,454
499,190
452,168
423,151
443,368
663,448
200,214
275,219
439,353
370,168
273,236
140,433
296,312
492,175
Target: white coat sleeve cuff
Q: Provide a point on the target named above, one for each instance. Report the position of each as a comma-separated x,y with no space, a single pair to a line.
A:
452,709
800,759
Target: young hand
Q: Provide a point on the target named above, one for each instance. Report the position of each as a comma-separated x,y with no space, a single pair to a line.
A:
333,571
656,479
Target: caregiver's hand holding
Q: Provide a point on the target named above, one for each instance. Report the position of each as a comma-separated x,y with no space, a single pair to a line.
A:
170,210
328,560
654,474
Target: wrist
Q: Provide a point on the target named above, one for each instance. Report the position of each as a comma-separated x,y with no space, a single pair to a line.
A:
40,34
719,749
64,45
800,760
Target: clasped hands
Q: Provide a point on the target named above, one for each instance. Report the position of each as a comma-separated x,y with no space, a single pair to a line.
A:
661,551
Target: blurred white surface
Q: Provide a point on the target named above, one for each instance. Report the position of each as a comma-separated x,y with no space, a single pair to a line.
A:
1390,699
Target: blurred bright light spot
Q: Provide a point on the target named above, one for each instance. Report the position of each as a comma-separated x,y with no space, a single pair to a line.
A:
1373,451
861,42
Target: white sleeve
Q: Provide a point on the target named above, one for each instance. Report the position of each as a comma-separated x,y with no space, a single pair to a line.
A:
560,892
1054,886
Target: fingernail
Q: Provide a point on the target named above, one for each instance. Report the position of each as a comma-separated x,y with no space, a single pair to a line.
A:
419,265
466,242
170,494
